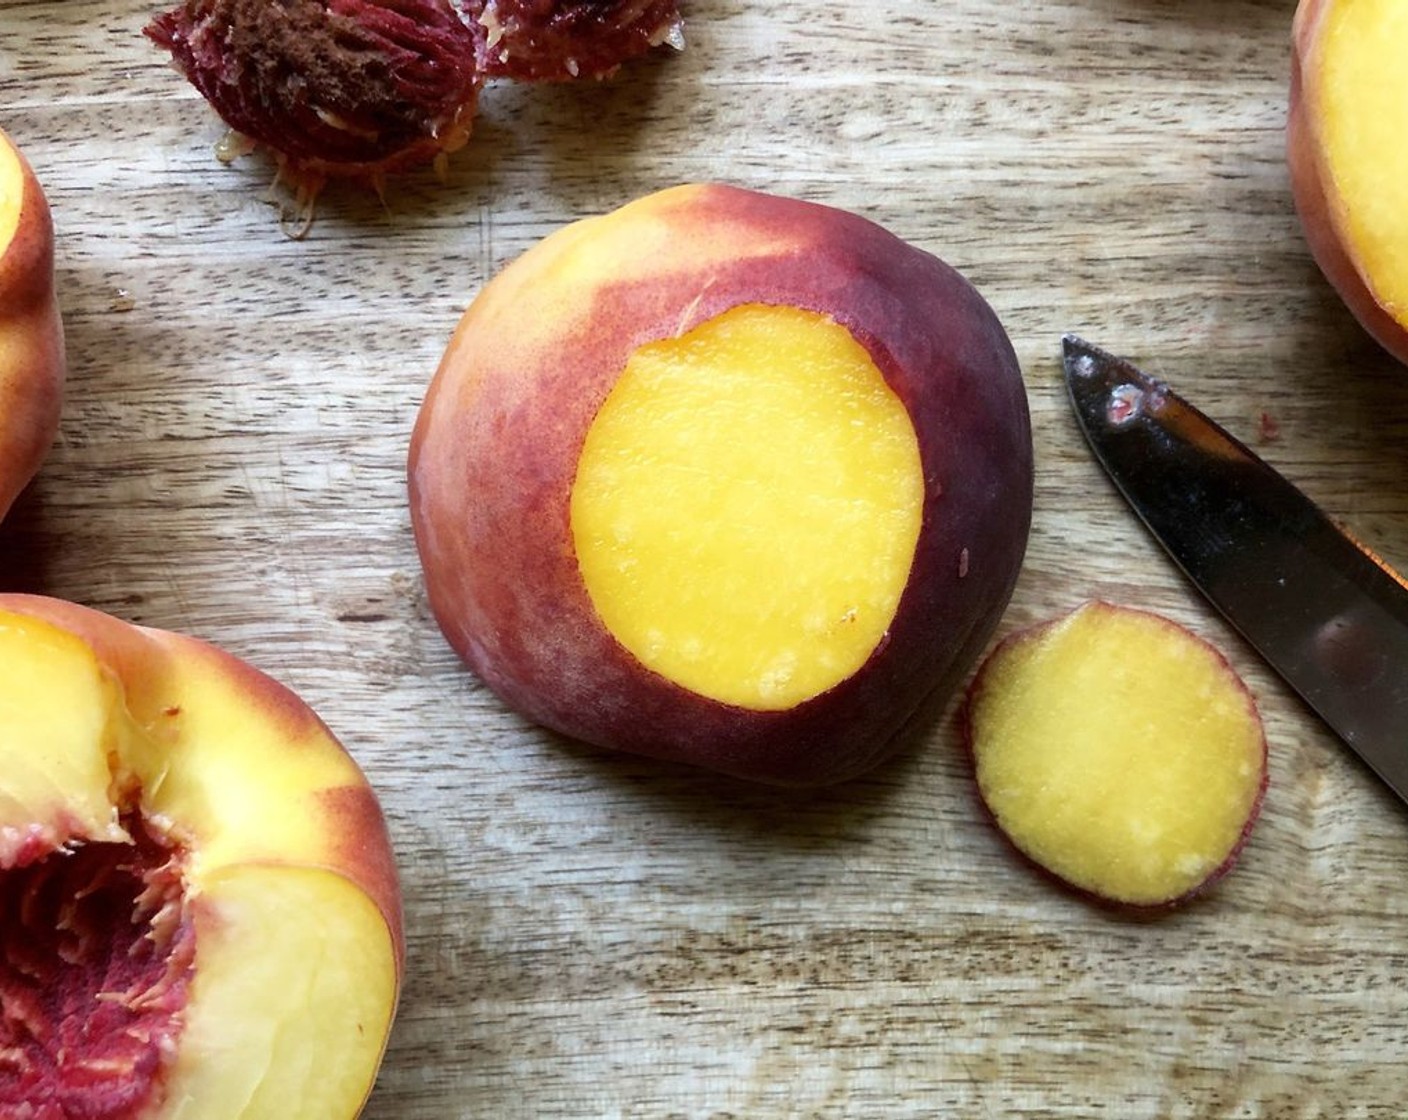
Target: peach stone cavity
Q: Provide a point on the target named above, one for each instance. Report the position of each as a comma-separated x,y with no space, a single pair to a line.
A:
745,523
1362,87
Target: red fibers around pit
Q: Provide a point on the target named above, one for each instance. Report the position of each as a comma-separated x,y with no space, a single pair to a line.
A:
96,956
558,40
336,87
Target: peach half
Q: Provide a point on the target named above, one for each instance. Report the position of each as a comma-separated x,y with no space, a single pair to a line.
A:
199,910
725,478
1119,752
31,333
1347,158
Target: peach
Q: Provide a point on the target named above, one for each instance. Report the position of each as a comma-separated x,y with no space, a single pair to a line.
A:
31,333
725,478
1119,752
1348,163
199,909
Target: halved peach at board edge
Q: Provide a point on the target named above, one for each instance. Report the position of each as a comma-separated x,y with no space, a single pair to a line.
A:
725,478
1347,156
199,910
31,332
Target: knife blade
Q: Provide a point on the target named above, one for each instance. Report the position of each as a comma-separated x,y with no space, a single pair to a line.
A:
1327,614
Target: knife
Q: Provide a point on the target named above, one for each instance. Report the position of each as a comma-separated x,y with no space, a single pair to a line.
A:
1326,613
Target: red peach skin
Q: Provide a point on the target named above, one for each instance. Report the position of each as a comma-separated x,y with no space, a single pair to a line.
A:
31,338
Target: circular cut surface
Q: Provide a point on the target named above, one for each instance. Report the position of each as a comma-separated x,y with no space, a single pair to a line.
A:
744,522
1363,90
1119,751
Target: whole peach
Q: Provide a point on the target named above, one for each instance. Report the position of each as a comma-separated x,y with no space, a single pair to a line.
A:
498,441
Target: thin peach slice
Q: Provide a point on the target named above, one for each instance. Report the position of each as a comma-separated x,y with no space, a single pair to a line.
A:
1119,752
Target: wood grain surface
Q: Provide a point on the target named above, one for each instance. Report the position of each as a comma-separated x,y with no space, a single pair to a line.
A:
600,936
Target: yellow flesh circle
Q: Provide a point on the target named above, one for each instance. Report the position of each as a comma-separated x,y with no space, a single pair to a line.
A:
747,505
1363,95
1118,751
11,193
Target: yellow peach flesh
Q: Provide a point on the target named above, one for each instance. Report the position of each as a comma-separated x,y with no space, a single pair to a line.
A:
747,504
248,1041
241,796
55,698
1362,89
12,181
1119,752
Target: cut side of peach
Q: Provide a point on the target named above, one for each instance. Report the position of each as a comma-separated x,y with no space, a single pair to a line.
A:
96,954
1118,751
746,506
1362,94
199,916
97,945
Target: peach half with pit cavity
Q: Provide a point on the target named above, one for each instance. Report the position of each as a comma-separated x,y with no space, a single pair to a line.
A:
199,910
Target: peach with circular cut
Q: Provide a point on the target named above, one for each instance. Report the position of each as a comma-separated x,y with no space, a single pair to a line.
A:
31,333
199,909
1348,162
1119,752
725,478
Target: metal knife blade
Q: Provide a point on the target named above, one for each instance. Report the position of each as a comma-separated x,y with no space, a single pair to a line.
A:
1324,612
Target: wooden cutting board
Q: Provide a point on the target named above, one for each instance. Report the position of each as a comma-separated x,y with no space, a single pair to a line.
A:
601,936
